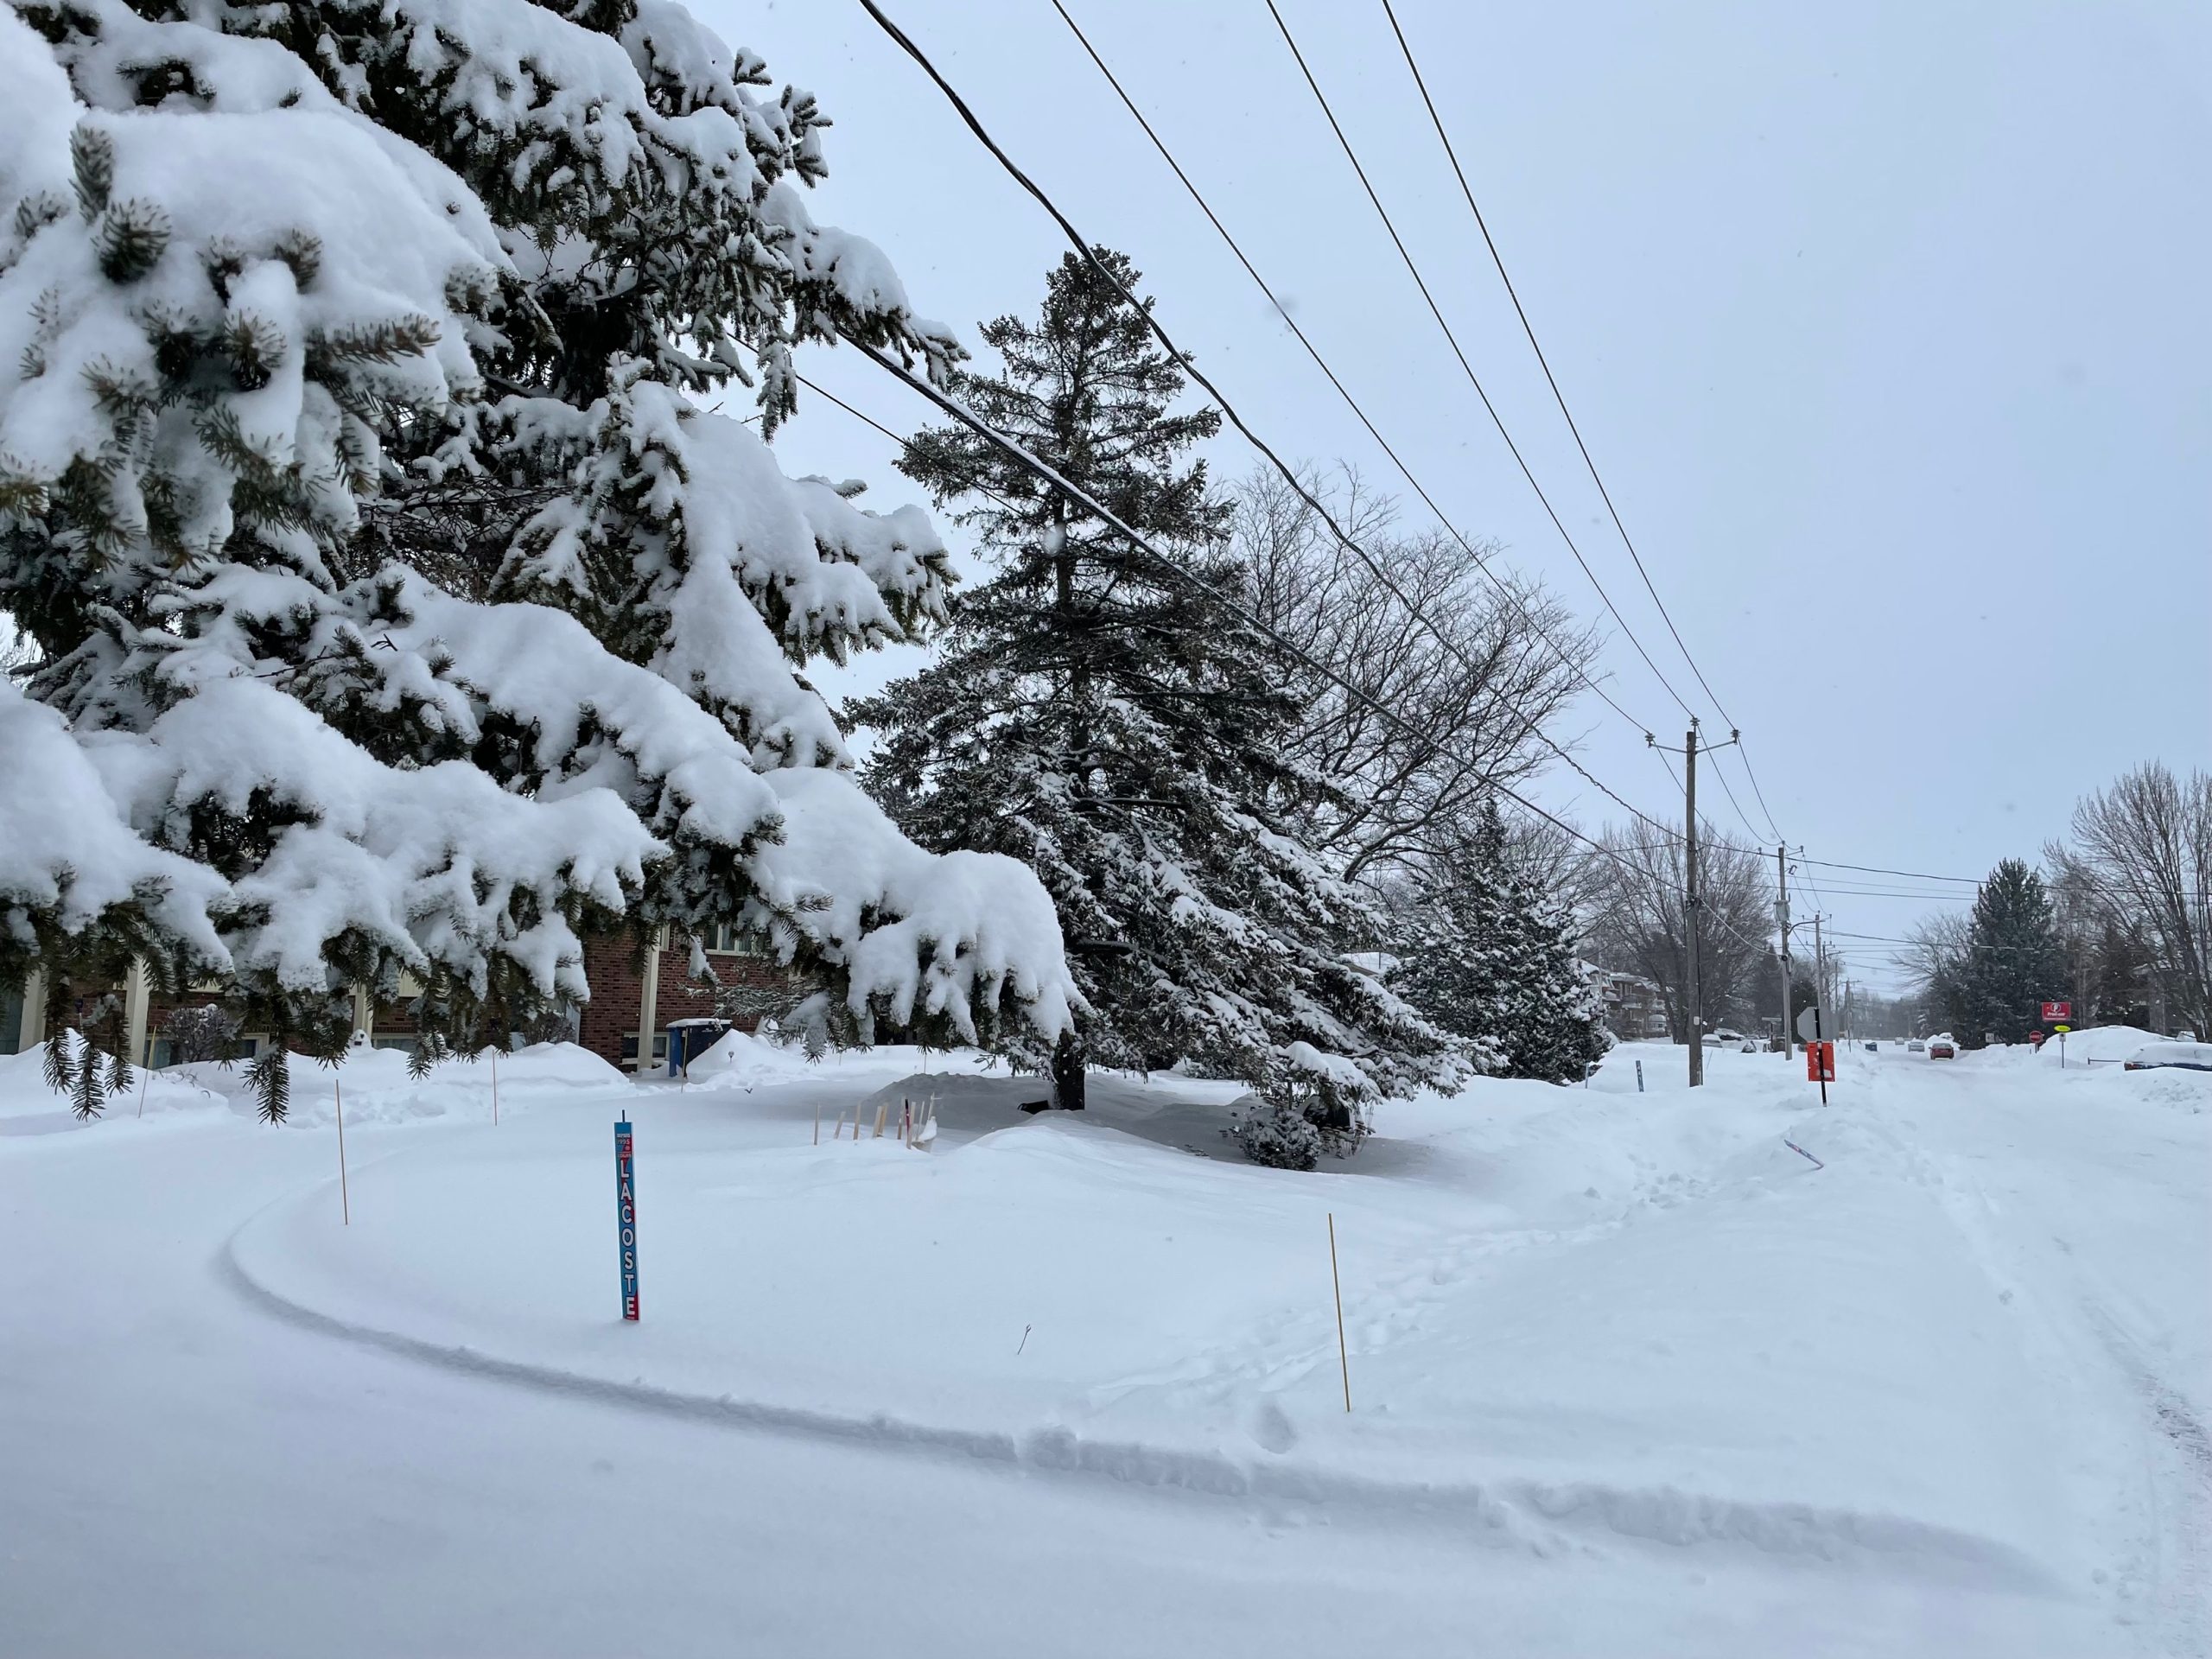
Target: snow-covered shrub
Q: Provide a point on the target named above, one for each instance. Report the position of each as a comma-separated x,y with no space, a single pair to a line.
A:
1276,1133
397,609
207,1032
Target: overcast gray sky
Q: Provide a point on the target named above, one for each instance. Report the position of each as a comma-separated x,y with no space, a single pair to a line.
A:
1886,323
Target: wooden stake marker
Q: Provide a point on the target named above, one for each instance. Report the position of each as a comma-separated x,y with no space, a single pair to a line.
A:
1344,1359
344,1198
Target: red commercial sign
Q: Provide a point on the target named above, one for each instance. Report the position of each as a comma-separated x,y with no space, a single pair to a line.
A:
2055,1012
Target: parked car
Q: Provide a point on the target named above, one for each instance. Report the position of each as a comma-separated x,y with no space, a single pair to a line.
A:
2188,1055
1941,1047
2184,1036
1915,1046
1726,1037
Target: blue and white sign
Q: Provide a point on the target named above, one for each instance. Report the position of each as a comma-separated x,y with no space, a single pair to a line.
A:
625,1214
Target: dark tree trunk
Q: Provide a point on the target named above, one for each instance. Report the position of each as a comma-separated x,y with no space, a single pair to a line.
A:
1068,1073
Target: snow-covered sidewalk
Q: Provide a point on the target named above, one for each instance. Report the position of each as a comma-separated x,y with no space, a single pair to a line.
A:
1632,1374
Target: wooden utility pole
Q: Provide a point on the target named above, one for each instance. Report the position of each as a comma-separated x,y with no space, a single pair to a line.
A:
1693,901
1820,980
1782,949
1690,903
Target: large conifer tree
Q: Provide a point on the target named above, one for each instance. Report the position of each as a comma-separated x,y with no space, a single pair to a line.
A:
2010,961
1124,733
398,609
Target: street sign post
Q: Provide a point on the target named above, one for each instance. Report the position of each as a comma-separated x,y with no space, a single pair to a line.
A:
1820,1054
625,1215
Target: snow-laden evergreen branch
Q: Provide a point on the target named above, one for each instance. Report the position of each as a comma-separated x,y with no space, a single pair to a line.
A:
462,264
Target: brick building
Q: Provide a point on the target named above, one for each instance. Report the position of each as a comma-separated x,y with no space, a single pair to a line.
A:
634,990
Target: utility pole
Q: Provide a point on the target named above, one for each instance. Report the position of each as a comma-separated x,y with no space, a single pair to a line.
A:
1820,980
1782,933
1693,902
1690,903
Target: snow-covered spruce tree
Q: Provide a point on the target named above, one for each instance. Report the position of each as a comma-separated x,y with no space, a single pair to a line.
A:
1488,955
396,611
1125,734
2011,959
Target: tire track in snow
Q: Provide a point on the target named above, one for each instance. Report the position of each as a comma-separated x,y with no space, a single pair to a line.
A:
2175,1482
2180,1504
1538,1518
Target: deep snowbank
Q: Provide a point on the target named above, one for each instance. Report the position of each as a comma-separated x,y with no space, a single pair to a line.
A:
375,1084
1643,1313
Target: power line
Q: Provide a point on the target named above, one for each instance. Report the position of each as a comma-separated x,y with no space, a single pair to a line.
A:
1321,362
974,423
1526,328
1184,360
975,483
1745,756
1736,742
1473,380
1085,250
1452,154
1877,869
1049,474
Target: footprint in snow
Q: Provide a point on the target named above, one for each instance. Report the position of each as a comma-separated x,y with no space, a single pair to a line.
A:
1272,1429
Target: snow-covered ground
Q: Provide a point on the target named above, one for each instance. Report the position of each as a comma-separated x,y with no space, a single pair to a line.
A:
1628,1374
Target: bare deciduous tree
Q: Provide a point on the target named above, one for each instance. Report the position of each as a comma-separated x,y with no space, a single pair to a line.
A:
1476,699
2140,855
1638,922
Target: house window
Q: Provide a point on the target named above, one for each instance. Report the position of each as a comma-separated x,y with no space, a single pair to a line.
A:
726,940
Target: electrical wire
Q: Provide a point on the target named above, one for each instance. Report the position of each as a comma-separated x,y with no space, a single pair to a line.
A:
1526,328
975,483
1047,473
1322,363
1466,190
1473,380
1086,250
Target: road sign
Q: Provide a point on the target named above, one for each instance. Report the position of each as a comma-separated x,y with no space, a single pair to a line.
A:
2054,1012
1820,1062
1808,1022
625,1215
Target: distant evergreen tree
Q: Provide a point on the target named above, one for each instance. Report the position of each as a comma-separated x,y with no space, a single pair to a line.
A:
2010,961
2120,973
1490,956
1125,735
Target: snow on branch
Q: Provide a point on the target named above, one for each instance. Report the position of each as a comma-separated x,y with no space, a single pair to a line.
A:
396,607
69,859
